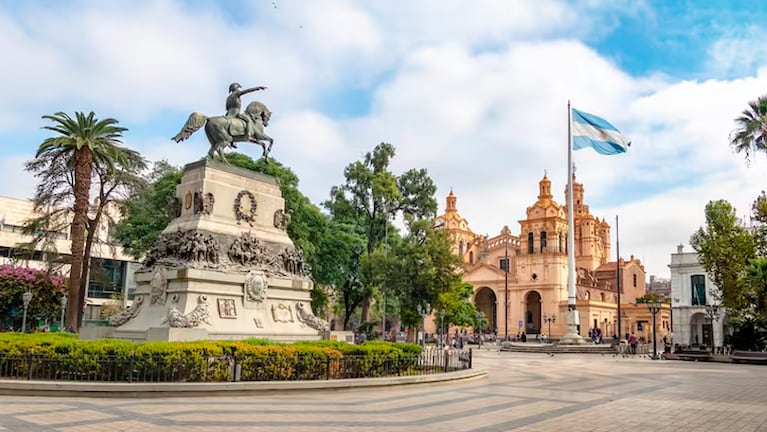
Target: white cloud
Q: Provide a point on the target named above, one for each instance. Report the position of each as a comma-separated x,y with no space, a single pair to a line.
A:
16,182
474,92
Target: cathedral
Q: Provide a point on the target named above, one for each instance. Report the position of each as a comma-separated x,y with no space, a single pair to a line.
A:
520,281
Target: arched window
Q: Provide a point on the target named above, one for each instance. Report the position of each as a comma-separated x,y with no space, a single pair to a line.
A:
635,280
460,248
543,241
602,296
530,247
588,295
471,257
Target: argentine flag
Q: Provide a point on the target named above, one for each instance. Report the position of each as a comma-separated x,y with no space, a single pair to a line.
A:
595,132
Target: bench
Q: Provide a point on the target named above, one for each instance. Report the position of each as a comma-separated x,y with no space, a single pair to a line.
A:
693,355
748,356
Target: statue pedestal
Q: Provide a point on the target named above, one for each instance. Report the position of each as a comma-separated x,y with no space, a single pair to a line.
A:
572,318
224,268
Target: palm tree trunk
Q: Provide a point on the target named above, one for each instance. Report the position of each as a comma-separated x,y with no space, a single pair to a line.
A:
92,229
83,167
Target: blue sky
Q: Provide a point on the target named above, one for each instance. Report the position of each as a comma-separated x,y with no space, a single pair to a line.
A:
475,92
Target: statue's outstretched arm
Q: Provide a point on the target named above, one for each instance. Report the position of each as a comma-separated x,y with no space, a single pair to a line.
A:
252,89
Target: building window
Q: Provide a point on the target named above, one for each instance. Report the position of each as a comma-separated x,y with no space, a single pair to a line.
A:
698,283
471,257
543,241
635,280
602,296
504,264
106,278
460,248
530,247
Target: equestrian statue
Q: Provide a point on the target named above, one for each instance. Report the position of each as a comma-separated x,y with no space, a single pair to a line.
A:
234,126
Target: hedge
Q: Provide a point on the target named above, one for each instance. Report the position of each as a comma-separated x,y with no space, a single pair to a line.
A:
67,357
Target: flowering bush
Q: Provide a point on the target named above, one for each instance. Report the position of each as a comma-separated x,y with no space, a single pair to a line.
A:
46,292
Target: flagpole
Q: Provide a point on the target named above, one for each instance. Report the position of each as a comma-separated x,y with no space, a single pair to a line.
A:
571,337
618,274
570,217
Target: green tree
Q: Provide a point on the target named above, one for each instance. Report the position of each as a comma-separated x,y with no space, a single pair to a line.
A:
52,204
725,249
759,220
750,136
372,196
755,285
423,271
145,211
337,266
87,142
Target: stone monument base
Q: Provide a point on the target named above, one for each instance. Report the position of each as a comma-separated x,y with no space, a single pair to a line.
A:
224,268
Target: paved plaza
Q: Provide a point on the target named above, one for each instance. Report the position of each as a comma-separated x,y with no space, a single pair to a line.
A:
523,392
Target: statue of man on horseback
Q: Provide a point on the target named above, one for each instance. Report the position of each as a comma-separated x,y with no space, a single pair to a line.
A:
234,126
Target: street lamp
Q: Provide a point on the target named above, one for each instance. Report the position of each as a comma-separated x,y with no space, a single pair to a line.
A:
63,310
549,319
712,313
26,298
423,310
654,307
480,316
441,329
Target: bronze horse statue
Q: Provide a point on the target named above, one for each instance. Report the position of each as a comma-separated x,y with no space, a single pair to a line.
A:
223,131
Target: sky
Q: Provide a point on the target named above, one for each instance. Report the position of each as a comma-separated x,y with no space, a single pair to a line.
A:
474,91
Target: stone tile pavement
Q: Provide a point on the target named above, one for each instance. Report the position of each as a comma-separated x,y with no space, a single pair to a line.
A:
523,392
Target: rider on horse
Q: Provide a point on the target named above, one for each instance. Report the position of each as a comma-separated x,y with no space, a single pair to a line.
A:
234,105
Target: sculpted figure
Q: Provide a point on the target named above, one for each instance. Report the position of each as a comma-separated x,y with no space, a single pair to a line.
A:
234,126
159,284
234,104
305,315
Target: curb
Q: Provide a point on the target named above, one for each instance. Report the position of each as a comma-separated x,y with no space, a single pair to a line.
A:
92,389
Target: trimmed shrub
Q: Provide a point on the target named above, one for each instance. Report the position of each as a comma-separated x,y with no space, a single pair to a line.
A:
63,356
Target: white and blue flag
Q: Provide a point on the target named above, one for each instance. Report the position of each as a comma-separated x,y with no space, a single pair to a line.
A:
595,132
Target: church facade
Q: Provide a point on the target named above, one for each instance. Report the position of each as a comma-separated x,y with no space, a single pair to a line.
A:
520,281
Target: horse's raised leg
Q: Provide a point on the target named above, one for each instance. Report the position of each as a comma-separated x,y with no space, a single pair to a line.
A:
221,153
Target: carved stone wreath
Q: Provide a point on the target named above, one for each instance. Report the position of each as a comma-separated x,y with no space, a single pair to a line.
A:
240,215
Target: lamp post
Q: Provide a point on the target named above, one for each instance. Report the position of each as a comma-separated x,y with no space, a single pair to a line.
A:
549,319
441,329
423,310
63,311
480,316
26,298
712,314
654,308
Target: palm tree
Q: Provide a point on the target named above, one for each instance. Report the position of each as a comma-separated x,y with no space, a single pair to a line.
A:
756,283
87,142
751,134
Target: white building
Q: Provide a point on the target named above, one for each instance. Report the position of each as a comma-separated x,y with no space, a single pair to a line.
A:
111,272
692,290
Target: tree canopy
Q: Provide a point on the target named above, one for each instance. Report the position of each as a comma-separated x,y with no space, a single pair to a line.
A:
725,249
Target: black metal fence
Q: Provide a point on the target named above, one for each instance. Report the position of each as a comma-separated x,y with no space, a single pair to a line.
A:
229,367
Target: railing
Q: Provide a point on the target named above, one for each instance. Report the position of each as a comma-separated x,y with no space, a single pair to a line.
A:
231,367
